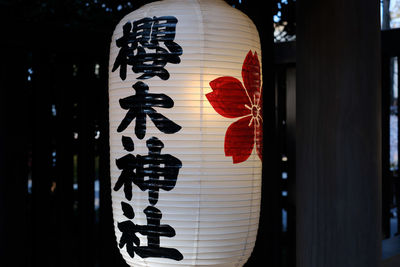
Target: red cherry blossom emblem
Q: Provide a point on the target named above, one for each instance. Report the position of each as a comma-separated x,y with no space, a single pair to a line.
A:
233,100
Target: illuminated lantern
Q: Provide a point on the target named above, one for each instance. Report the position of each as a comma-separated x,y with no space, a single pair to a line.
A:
185,102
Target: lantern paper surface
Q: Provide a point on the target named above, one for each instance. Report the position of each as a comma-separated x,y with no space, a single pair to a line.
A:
185,104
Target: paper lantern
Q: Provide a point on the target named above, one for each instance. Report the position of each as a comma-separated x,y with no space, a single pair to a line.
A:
185,102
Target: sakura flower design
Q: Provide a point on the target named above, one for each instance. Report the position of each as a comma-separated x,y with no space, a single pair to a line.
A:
233,100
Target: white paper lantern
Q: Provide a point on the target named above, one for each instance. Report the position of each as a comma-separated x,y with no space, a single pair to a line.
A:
185,102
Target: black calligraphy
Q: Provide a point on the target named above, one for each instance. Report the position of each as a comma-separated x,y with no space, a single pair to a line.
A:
141,105
147,45
140,47
151,172
153,230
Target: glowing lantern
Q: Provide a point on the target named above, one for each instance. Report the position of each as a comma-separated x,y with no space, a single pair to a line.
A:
185,99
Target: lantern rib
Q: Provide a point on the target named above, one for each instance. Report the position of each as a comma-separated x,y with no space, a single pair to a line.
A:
201,33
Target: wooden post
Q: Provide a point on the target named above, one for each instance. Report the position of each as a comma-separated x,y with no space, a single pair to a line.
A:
63,189
86,163
43,230
338,134
14,238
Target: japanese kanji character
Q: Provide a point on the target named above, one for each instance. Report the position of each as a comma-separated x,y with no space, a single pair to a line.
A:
153,230
141,105
160,170
144,37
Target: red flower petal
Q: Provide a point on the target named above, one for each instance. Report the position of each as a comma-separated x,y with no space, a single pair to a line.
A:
259,128
251,74
259,140
229,97
239,140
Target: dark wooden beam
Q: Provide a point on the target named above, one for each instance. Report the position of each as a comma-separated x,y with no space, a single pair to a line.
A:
338,140
390,41
285,53
14,120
